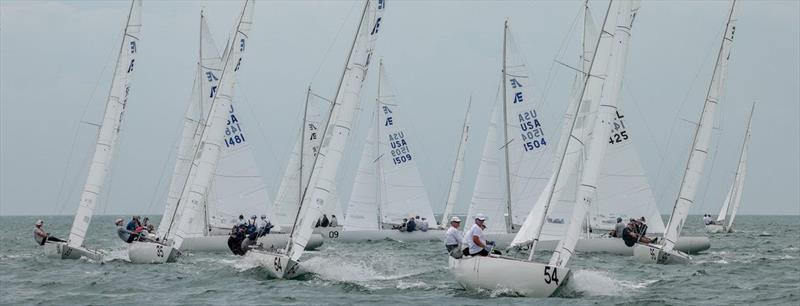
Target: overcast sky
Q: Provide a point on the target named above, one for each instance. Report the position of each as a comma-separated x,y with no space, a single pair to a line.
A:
56,60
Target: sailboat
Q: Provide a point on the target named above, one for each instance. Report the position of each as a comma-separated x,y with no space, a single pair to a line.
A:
604,83
189,209
734,197
285,263
387,186
104,147
458,170
664,251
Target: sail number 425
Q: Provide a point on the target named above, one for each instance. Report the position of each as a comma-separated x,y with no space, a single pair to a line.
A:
550,277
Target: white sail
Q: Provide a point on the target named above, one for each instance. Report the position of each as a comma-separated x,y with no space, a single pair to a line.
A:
109,127
301,160
337,131
595,149
702,138
489,195
238,187
205,86
525,142
194,196
363,210
402,193
735,196
458,170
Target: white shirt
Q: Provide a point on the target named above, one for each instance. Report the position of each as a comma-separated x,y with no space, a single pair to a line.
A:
453,236
707,220
474,231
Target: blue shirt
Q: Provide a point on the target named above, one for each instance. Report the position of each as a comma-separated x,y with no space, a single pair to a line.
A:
131,225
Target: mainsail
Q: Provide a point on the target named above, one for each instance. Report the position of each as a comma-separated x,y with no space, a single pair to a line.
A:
595,147
202,171
524,148
338,128
702,138
206,83
109,127
398,184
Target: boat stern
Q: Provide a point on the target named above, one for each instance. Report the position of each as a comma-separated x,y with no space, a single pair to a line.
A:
151,253
522,277
654,253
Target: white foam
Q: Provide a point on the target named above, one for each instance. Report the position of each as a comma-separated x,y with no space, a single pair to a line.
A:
601,283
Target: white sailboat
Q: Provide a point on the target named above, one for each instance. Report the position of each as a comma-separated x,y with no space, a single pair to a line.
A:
458,170
285,262
664,251
104,147
734,197
388,186
604,82
190,207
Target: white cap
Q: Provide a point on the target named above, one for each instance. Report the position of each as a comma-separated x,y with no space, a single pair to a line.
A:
481,217
263,216
119,220
39,222
455,219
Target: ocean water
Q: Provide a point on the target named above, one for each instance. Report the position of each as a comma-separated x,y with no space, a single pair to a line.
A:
744,267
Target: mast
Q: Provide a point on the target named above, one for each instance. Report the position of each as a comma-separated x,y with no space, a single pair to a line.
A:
509,225
109,127
200,98
455,178
300,188
702,136
377,161
328,122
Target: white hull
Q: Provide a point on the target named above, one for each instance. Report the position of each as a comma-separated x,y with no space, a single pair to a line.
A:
377,235
653,253
61,250
522,277
715,228
280,266
220,243
687,244
151,253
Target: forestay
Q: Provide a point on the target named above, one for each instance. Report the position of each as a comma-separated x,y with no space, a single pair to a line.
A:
109,127
195,192
702,138
337,131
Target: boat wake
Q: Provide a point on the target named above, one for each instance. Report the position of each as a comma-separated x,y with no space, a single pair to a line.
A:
599,283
